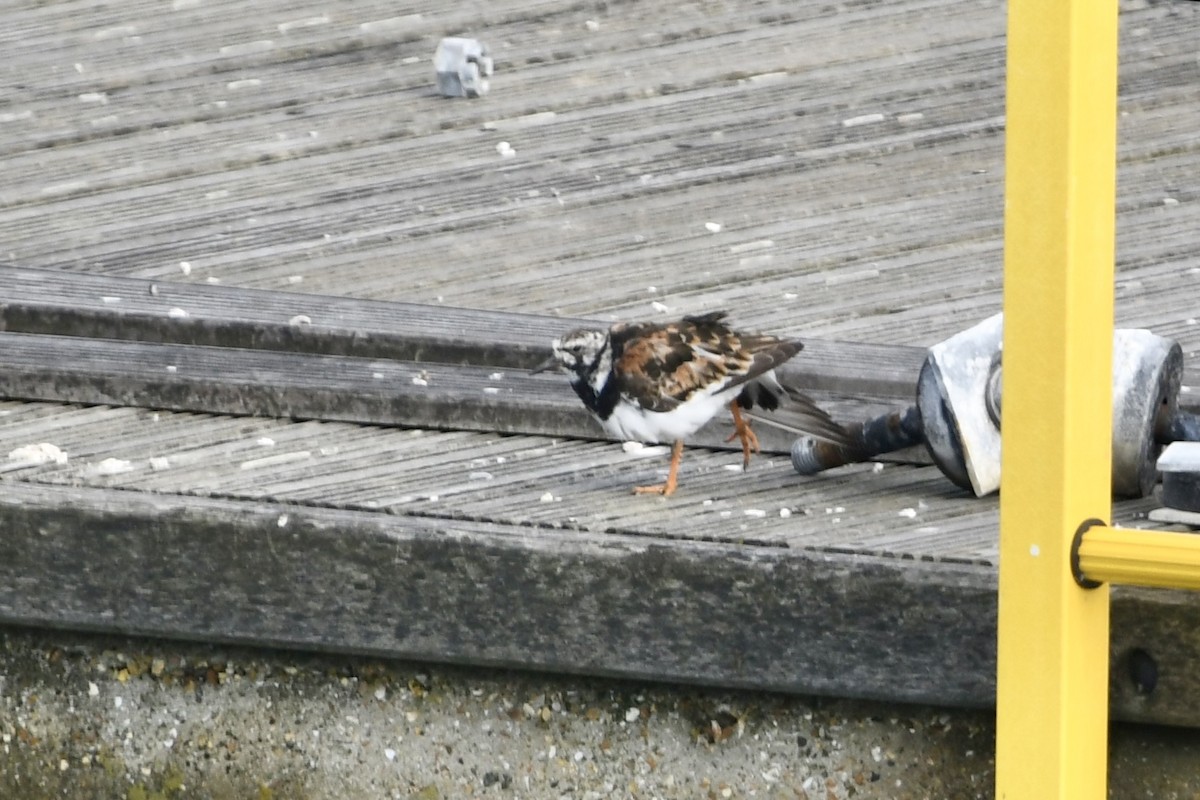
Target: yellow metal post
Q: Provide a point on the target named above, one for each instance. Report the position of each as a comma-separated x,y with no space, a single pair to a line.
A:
1060,162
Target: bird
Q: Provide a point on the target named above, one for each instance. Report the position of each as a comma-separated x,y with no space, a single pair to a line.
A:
658,382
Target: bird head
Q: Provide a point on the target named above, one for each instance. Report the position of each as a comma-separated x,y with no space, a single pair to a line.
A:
576,352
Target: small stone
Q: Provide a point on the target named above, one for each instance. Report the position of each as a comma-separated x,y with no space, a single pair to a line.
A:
389,754
864,119
632,713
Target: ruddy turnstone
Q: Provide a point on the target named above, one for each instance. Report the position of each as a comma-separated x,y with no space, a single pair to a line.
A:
660,382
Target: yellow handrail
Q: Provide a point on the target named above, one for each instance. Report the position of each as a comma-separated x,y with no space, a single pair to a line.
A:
1139,557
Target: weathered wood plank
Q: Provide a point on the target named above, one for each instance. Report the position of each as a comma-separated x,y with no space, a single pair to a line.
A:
288,166
538,482
472,592
58,302
479,593
276,383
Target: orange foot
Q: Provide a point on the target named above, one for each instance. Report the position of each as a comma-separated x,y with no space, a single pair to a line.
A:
666,489
743,431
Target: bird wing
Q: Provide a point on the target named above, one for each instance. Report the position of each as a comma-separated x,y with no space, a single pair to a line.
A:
663,365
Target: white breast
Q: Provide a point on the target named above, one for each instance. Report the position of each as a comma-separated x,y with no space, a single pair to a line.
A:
630,421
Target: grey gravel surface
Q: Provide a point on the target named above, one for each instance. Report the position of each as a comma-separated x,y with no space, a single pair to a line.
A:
85,716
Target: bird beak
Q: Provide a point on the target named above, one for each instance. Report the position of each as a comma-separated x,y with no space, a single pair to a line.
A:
550,363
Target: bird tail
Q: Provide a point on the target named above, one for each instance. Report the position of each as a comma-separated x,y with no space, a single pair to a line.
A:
787,408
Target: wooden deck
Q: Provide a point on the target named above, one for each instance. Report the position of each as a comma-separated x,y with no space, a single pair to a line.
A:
236,238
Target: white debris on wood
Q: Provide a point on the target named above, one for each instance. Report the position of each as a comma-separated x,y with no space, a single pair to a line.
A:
481,476
176,313
644,450
40,453
294,279
111,466
172,368
767,77
591,25
300,319
185,267
159,463
757,513
282,521
505,150
490,390
735,468
784,513
94,97
108,299
308,22
910,117
378,376
661,308
496,376
66,187
864,119
908,513
244,83
265,441
417,380
877,467
712,227
546,498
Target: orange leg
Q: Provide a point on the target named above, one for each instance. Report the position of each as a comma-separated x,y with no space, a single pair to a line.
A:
668,488
741,430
